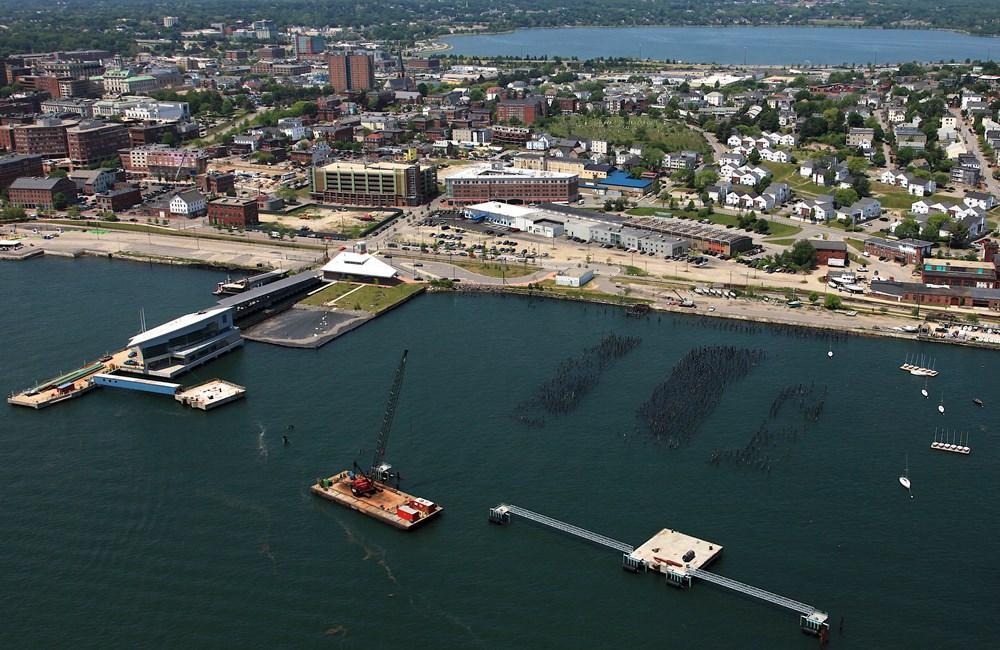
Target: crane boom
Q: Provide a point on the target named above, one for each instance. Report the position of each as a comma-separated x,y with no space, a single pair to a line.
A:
390,411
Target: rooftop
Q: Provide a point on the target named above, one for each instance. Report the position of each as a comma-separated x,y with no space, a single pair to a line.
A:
187,320
359,264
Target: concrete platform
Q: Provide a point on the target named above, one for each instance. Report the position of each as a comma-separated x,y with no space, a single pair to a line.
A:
665,550
381,505
210,394
302,327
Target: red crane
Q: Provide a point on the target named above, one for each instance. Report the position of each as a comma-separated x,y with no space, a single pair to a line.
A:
364,483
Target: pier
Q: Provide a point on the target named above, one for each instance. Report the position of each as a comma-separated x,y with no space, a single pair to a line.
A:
680,557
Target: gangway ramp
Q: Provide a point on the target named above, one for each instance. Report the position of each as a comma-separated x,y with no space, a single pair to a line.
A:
504,510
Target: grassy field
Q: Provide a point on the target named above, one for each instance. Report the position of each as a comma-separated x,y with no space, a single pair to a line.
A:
892,198
496,269
781,242
331,292
668,136
788,173
375,299
857,244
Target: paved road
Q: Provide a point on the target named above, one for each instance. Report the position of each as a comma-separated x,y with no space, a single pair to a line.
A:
442,269
971,141
207,251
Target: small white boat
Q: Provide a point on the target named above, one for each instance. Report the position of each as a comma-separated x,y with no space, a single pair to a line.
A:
904,480
941,405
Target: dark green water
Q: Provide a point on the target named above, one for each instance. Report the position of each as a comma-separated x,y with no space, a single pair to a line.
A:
127,520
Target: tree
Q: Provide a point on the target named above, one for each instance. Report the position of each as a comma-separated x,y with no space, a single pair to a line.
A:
908,229
833,302
844,197
705,178
803,254
58,200
422,89
754,157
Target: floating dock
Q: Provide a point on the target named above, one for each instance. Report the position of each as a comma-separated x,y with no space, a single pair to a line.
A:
918,369
210,394
947,443
388,504
68,385
679,557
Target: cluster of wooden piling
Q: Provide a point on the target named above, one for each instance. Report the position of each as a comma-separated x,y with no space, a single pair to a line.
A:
759,452
677,406
573,379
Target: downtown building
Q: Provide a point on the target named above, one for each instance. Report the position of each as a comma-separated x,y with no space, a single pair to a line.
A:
92,141
492,182
383,184
351,72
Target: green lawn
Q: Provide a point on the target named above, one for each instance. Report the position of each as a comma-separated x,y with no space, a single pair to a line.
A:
331,292
779,229
496,269
892,198
781,242
665,135
583,293
375,299
782,172
857,244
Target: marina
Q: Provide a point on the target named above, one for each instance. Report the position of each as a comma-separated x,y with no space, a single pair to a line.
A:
951,442
917,368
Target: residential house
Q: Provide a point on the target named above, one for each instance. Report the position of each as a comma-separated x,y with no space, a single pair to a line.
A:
981,200
818,209
910,136
862,210
861,138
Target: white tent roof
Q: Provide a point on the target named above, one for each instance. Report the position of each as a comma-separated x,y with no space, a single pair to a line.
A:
359,264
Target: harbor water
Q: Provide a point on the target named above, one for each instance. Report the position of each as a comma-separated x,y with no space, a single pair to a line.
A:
781,45
129,520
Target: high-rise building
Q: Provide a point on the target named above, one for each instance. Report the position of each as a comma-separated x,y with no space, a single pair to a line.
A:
351,72
306,46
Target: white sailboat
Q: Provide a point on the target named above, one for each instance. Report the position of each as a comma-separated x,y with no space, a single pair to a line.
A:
923,391
904,480
941,405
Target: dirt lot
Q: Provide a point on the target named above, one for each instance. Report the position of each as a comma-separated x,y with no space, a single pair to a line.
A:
325,219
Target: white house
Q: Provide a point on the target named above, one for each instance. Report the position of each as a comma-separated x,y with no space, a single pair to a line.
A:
776,155
861,210
818,209
715,98
188,203
889,177
919,186
981,200
780,191
763,202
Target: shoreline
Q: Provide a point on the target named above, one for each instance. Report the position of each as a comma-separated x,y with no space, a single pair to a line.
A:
525,292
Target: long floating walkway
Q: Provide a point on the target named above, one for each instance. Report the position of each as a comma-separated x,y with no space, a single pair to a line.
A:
750,590
679,557
545,520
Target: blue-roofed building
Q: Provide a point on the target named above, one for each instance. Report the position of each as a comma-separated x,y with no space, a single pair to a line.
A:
622,182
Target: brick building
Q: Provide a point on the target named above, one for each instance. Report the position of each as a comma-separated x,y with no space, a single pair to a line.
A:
92,141
937,296
959,273
46,136
119,198
36,192
526,110
351,72
827,251
907,251
482,183
231,212
15,166
216,183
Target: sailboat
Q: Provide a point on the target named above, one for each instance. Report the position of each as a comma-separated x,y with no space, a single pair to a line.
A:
923,391
904,480
941,405
829,352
